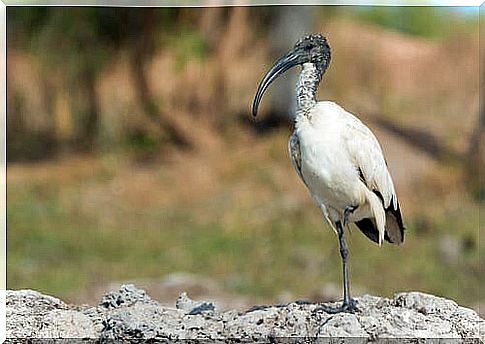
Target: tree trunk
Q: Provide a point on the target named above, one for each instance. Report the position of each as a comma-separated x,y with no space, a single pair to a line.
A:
91,126
476,153
291,23
141,49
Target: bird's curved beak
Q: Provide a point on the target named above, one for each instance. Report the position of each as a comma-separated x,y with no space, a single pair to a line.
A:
279,67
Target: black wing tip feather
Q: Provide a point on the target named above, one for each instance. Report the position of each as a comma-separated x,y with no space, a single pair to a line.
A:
396,213
369,228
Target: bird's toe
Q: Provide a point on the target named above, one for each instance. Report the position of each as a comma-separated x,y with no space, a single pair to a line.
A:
351,306
346,307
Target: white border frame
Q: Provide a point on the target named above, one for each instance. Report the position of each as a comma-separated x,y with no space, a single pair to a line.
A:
3,169
142,3
217,3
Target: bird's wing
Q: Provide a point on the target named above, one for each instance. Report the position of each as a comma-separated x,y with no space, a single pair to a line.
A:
295,155
368,159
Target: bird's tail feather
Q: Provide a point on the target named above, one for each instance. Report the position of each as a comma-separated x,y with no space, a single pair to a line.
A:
394,227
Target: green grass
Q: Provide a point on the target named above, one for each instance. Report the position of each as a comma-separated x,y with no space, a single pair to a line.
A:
429,22
59,243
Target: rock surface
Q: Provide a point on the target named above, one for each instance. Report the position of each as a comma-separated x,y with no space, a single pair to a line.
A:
131,315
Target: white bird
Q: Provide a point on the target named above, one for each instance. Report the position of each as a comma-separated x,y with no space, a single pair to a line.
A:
337,157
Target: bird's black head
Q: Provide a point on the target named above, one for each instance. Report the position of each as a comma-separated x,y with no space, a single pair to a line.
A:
314,49
309,49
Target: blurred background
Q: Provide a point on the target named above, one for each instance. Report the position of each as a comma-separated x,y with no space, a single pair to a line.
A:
132,156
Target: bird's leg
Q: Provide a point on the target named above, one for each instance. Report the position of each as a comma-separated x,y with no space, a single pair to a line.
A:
344,252
348,305
347,212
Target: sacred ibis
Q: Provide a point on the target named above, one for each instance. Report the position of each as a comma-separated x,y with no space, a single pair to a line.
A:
337,157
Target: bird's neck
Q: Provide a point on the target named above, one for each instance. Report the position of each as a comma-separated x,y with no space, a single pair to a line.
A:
306,90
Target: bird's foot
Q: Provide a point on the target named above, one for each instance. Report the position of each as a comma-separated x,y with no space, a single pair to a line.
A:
347,307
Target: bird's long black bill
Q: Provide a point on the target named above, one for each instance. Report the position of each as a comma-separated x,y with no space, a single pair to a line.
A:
279,67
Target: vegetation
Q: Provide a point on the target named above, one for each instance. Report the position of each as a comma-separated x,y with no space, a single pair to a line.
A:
255,230
428,22
131,156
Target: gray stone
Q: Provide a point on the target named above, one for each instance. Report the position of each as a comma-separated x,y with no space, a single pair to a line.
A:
126,296
129,314
193,307
67,324
31,314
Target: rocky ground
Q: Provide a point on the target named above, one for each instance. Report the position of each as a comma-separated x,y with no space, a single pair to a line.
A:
129,314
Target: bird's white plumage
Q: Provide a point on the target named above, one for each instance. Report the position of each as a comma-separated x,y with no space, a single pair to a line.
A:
332,150
338,158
